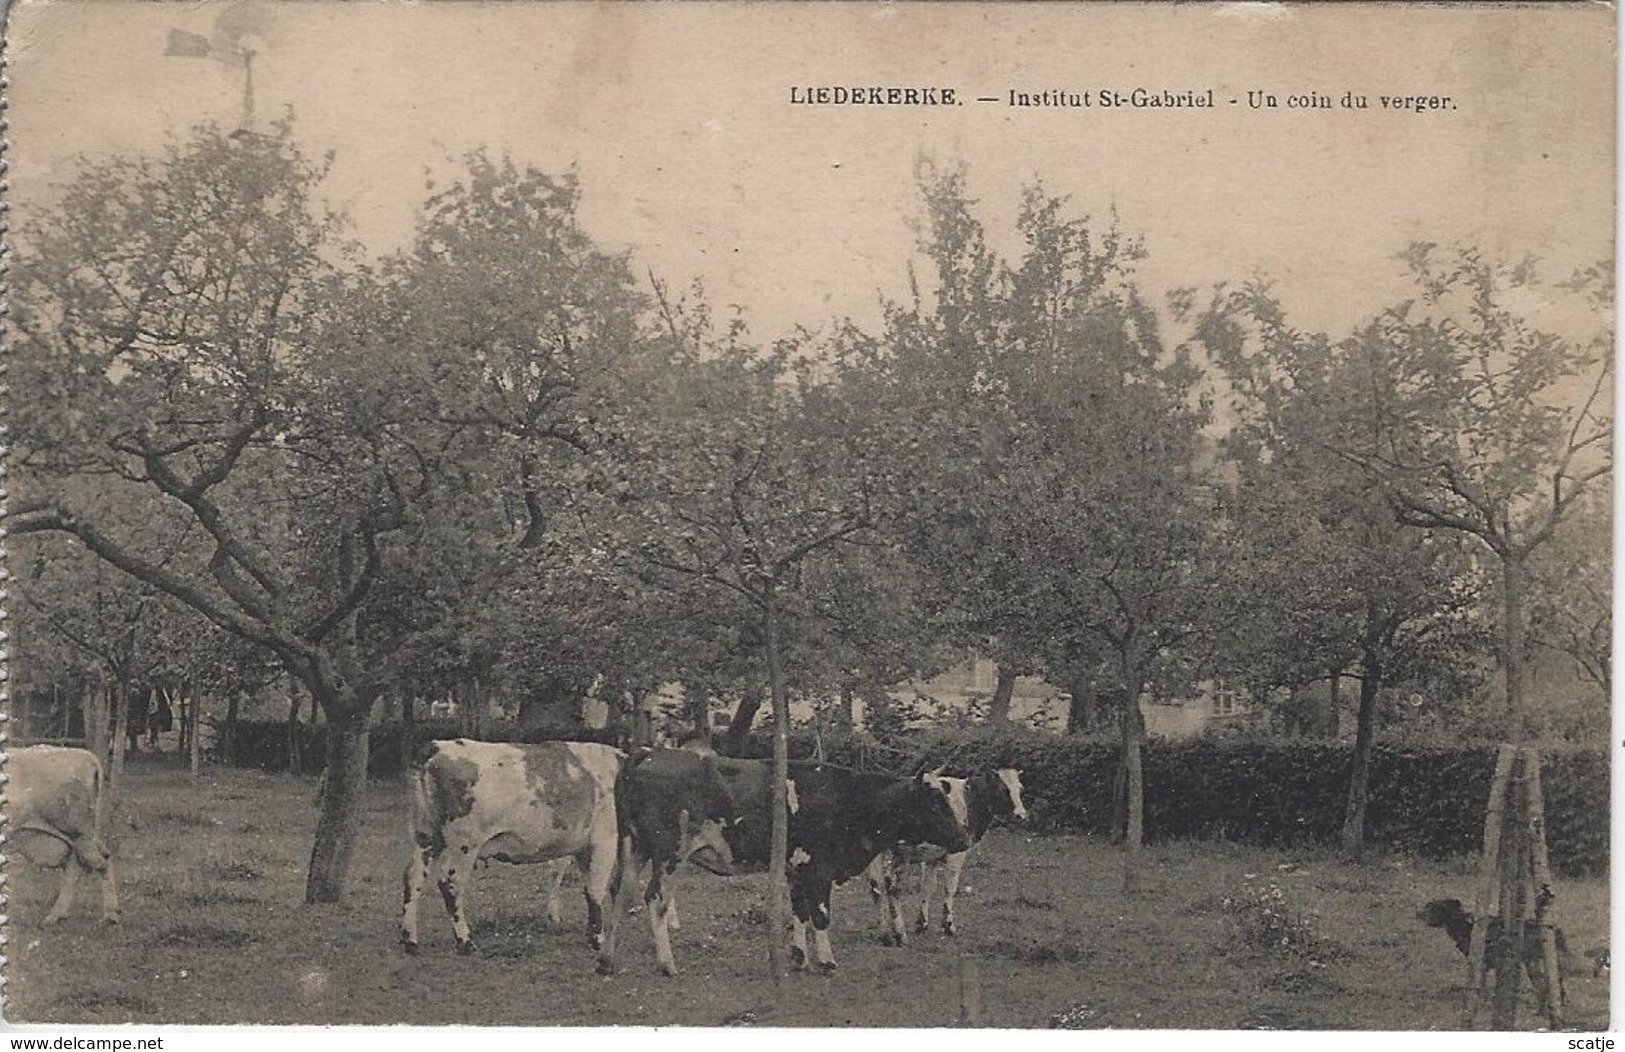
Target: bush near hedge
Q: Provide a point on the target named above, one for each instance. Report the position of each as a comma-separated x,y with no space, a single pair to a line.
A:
1427,799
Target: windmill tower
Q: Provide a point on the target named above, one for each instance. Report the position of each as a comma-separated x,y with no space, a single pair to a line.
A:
237,39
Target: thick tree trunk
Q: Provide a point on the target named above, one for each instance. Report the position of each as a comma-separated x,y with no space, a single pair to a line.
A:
1364,737
1082,712
778,897
339,826
739,730
998,710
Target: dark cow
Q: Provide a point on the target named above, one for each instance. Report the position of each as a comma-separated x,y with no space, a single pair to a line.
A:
54,794
839,820
510,803
977,802
674,806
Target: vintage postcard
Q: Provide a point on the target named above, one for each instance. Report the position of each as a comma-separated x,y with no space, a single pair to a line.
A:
988,515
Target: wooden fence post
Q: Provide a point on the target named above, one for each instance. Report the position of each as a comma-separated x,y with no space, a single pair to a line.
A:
970,992
1540,877
1488,882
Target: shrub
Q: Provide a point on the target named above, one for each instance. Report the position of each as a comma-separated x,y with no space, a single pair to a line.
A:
1267,923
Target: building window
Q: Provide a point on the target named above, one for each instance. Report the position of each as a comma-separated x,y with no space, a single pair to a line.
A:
1226,700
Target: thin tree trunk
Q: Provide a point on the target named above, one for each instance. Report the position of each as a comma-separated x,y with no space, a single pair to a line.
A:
115,770
1133,722
339,827
1364,736
998,712
409,733
95,710
183,714
778,905
228,740
295,764
194,740
1512,575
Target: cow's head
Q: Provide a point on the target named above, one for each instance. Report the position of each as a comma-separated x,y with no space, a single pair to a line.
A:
706,841
1010,778
927,804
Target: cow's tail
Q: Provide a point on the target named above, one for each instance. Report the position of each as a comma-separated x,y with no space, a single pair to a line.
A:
423,819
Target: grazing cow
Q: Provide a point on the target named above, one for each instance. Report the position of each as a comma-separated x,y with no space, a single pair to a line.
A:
1457,921
54,793
977,802
839,820
511,803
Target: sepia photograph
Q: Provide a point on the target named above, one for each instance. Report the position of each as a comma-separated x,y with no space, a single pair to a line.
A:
1027,516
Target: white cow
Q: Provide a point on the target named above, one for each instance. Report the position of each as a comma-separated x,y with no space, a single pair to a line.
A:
53,794
510,803
977,802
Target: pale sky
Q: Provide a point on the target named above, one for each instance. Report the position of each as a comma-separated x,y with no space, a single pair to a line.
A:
677,118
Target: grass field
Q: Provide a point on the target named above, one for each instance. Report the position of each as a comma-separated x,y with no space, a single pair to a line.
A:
214,931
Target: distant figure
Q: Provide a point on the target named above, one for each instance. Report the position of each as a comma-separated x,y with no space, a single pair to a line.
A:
160,719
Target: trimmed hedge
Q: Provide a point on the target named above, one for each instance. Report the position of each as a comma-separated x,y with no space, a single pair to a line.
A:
264,744
1424,799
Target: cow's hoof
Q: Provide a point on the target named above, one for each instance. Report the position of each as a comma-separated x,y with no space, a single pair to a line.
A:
798,957
949,929
605,967
668,969
464,949
110,921
888,939
921,926
826,967
51,922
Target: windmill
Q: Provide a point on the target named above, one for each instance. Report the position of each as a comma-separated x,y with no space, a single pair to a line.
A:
238,37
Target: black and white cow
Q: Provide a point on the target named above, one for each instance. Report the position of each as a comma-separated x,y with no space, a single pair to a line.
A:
54,794
838,821
674,807
977,802
510,803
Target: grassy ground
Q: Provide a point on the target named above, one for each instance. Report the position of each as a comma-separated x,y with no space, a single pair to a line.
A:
215,931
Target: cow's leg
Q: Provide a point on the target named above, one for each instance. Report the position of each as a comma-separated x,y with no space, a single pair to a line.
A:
64,895
454,885
879,875
599,868
800,914
820,921
109,894
928,883
955,866
671,910
555,884
654,900
413,878
619,898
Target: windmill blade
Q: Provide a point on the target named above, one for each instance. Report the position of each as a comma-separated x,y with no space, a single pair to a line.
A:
187,45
